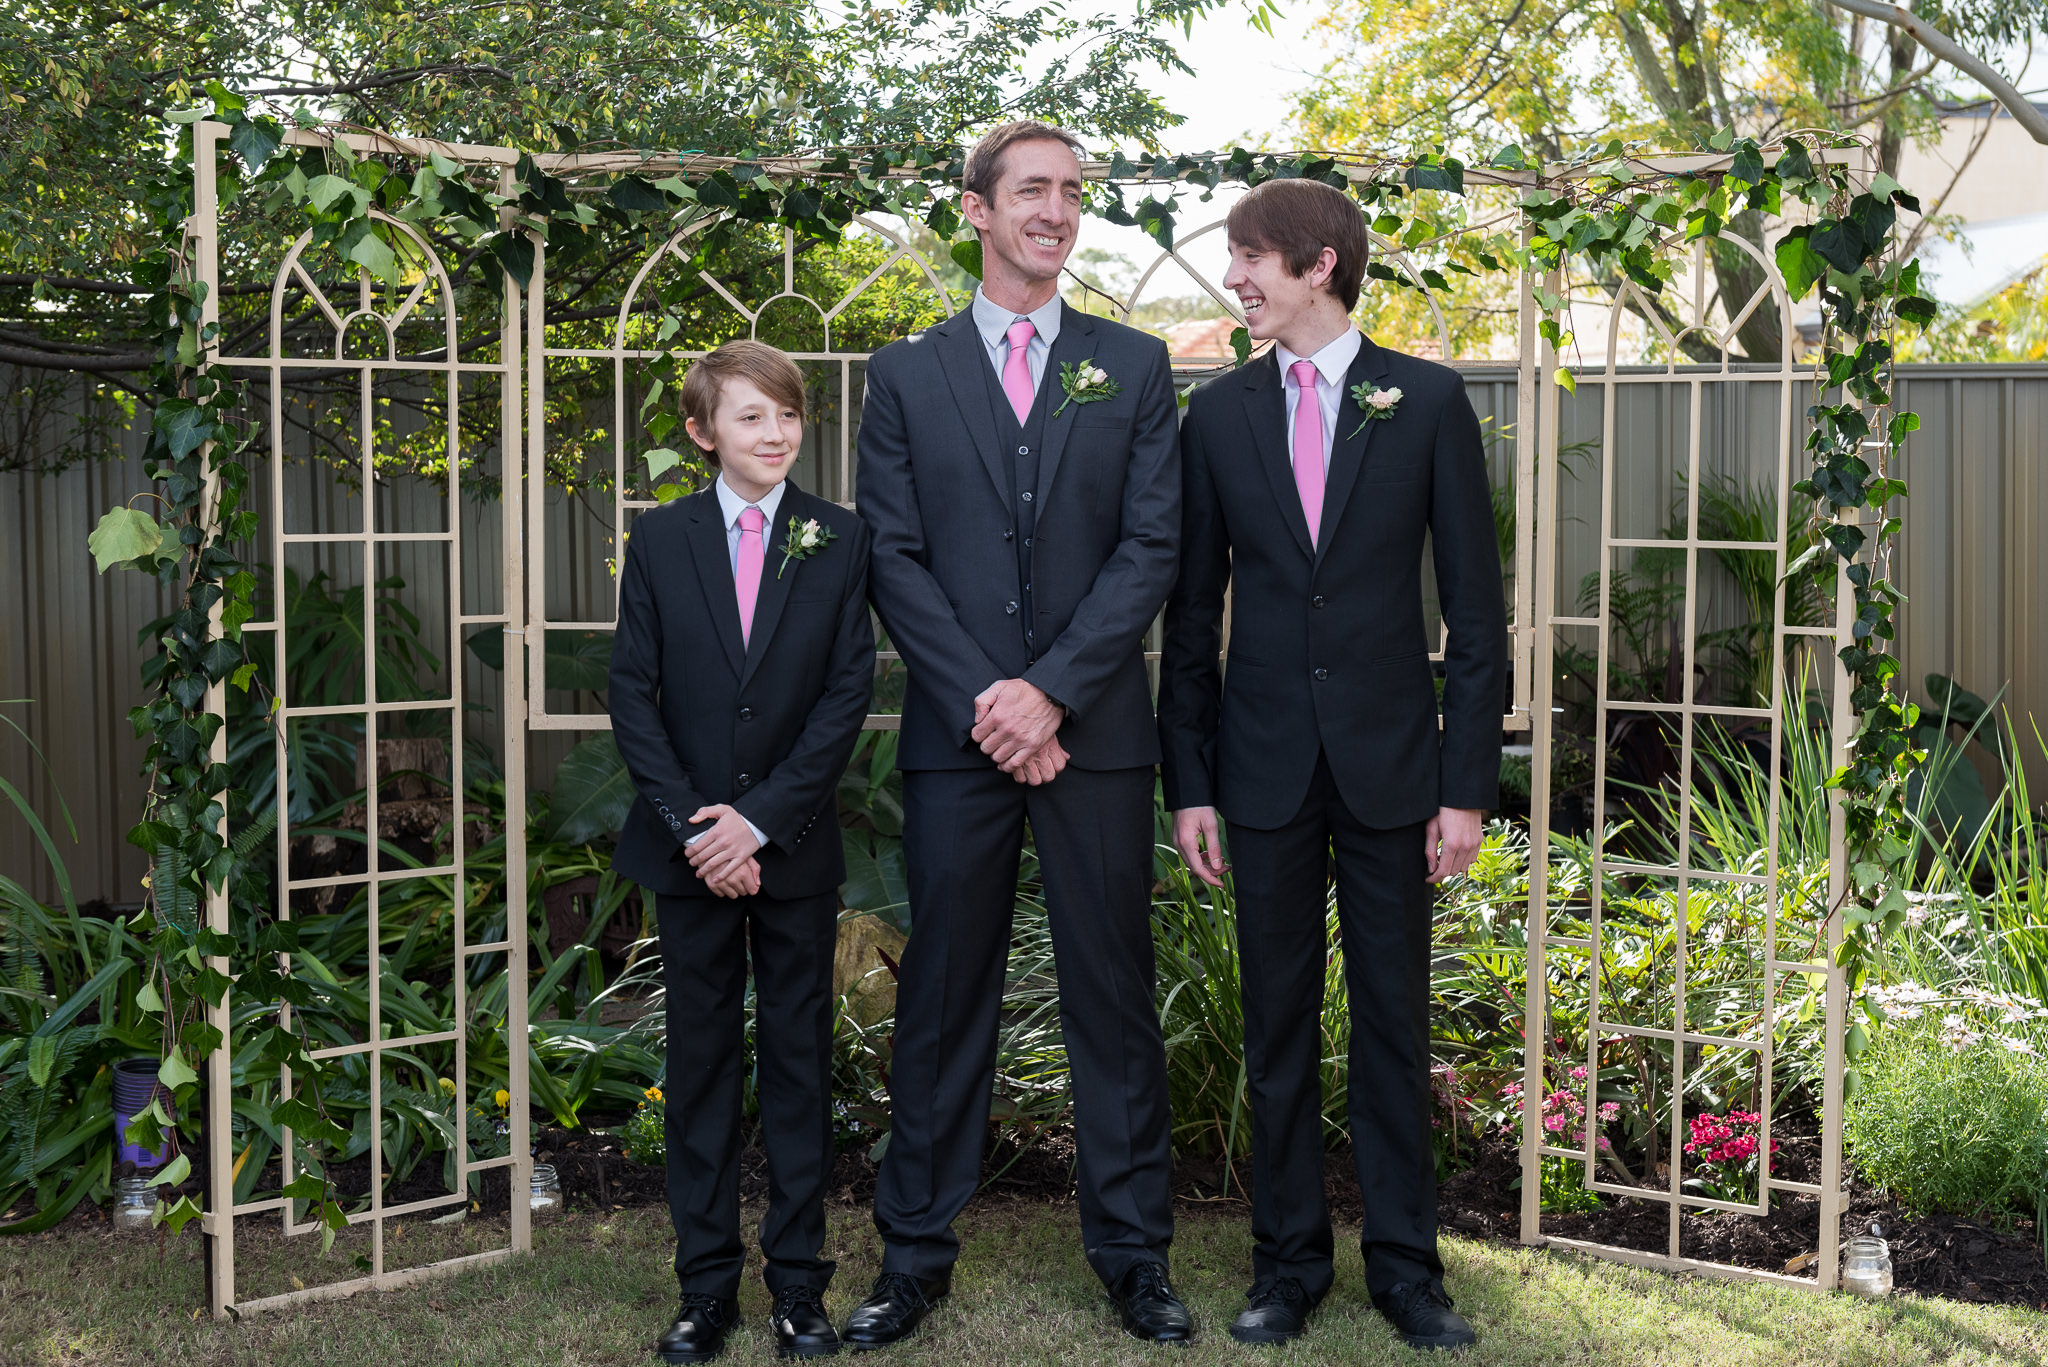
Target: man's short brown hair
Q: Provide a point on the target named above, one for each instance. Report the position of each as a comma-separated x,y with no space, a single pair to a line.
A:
1298,218
985,159
771,372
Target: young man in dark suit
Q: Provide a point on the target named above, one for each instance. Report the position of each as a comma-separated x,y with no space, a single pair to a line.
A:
741,675
1312,477
1020,465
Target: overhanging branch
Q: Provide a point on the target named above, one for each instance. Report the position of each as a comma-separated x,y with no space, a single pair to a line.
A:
1956,55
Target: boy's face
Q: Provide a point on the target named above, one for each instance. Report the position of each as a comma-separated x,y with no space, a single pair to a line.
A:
1274,300
756,438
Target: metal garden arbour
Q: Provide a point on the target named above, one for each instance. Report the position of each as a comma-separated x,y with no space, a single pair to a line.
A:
1565,962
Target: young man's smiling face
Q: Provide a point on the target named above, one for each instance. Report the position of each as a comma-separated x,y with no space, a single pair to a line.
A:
1029,221
1276,302
756,438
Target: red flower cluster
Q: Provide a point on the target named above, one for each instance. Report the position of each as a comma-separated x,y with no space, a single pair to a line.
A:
1564,1112
1726,1139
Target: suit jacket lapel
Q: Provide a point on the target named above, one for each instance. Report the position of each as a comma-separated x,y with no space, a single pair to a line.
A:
1265,406
1076,343
1347,447
775,580
705,531
965,359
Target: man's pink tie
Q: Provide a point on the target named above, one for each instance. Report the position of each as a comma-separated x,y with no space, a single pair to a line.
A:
1308,445
746,572
1017,370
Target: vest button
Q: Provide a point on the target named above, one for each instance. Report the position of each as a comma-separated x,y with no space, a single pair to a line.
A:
1316,601
1027,495
746,714
1010,608
1320,674
1023,450
1008,534
746,780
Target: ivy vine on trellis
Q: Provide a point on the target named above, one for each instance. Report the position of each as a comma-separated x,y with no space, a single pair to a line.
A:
1613,210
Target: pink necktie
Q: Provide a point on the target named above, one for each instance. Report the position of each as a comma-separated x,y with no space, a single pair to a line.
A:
1308,445
1017,370
746,572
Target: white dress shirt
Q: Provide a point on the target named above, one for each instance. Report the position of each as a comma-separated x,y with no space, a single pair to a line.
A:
730,506
1332,364
993,322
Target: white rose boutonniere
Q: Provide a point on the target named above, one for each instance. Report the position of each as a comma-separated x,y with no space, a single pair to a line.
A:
1085,382
1377,404
805,539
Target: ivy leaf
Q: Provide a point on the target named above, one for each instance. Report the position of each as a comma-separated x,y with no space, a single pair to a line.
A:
1748,166
123,535
1915,309
174,1072
1841,243
374,255
1799,263
146,999
1241,344
323,191
967,256
515,254
173,1172
635,195
184,426
181,1214
306,1123
661,460
255,141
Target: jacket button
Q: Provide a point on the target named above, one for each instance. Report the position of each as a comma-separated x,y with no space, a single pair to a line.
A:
747,713
1320,674
1316,601
1026,496
1010,608
1008,535
747,780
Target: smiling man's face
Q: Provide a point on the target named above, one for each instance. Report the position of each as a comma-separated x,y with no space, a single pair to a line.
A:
1028,223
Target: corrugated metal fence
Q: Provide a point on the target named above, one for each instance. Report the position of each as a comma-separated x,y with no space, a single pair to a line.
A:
1972,563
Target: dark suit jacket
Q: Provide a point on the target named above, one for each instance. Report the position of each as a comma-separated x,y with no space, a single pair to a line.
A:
1328,649
945,579
768,728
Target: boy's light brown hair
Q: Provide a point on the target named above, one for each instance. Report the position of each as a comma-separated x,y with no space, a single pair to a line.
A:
1297,219
984,169
771,372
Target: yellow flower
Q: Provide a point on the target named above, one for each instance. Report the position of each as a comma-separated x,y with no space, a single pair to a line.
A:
503,1098
653,1093
447,1086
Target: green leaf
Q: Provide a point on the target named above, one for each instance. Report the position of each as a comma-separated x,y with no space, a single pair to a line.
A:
123,535
181,1214
42,1058
374,255
146,999
514,251
635,195
1241,344
323,191
255,141
967,256
1799,263
593,793
173,1172
661,460
174,1072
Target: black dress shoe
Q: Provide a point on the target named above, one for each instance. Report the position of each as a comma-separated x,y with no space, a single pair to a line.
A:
802,1328
893,1310
1422,1315
698,1335
1150,1309
1276,1310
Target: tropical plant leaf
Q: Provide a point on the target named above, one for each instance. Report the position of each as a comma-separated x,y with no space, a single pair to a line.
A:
593,793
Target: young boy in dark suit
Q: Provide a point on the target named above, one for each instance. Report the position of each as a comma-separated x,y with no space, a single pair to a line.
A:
741,675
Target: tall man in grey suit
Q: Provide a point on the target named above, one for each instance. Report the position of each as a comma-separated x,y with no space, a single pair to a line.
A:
1026,533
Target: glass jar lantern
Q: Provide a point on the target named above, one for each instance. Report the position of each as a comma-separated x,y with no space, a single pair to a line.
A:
1867,1266
545,1201
134,1205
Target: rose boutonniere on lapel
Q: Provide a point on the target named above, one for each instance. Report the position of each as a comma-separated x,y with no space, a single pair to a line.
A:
1085,383
804,540
1377,404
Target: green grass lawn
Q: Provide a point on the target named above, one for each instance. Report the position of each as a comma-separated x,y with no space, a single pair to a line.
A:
597,1290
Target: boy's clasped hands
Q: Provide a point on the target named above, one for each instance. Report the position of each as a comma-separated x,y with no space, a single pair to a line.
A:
724,856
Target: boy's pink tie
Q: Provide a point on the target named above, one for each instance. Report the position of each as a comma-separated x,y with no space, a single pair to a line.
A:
1308,445
746,572
1017,370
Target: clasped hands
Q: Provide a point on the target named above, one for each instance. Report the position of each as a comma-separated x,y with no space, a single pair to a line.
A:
724,855
1017,726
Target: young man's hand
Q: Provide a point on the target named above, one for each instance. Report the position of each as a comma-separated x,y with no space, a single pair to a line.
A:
1042,765
1200,842
728,844
743,881
1451,842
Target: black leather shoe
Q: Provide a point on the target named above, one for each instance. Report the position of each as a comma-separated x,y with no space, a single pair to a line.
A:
893,1310
698,1335
802,1328
1422,1315
1150,1309
1276,1310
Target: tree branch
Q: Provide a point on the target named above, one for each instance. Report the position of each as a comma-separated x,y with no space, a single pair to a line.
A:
38,359
1939,44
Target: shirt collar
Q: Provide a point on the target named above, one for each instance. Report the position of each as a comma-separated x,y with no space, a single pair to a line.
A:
993,321
731,505
1332,363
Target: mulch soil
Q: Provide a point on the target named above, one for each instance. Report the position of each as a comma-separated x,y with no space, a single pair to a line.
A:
1939,1255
